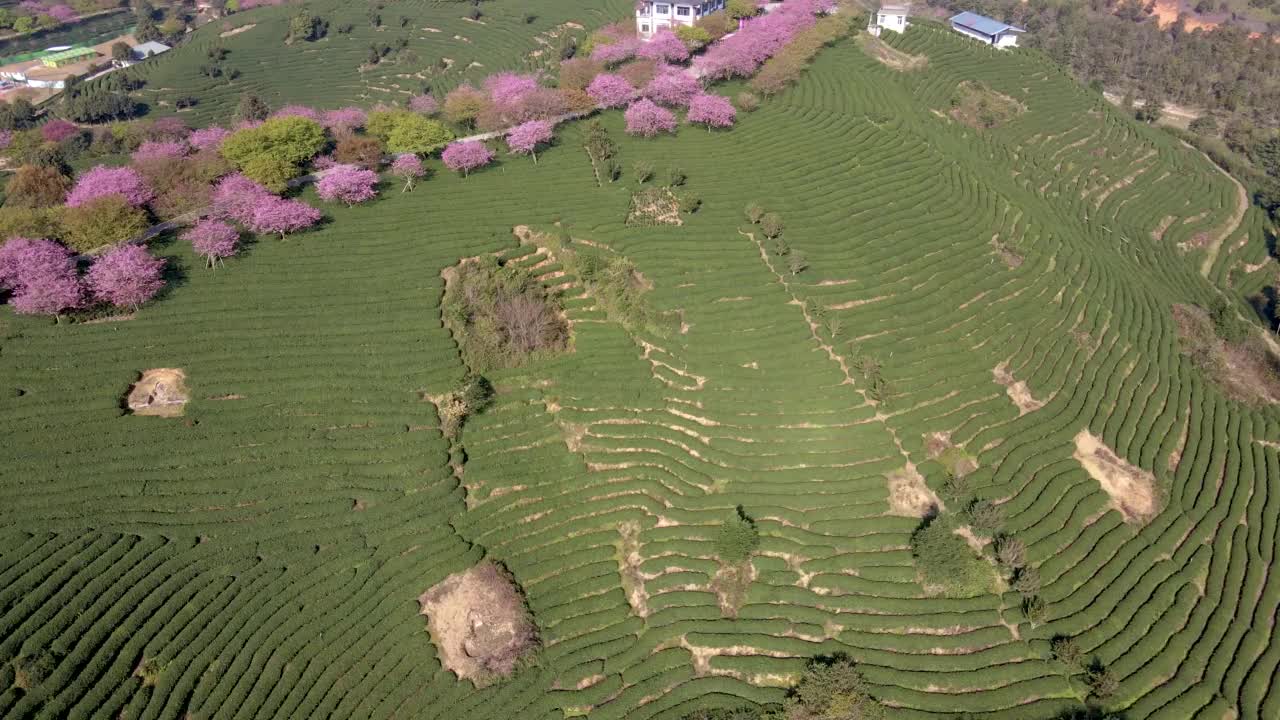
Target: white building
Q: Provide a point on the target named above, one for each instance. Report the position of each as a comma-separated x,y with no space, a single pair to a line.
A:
889,17
655,15
991,32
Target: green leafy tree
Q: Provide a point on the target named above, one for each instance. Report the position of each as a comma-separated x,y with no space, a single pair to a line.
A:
693,36
737,538
107,220
121,52
831,688
738,9
36,186
273,152
408,132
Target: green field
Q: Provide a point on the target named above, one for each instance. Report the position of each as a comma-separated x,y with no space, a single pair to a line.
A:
263,555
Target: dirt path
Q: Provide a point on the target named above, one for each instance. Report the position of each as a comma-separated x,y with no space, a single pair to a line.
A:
1233,223
1179,116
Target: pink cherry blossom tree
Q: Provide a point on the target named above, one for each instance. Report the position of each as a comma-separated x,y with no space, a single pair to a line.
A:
646,119
349,184
22,258
213,239
168,128
235,197
525,139
58,130
160,149
610,91
613,53
344,121
209,138
712,110
126,276
277,215
741,54
301,111
425,104
49,292
409,167
664,46
672,87
102,181
466,156
507,87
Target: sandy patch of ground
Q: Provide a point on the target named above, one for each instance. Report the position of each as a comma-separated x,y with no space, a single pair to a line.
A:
654,206
629,561
730,584
161,392
1017,390
479,623
909,496
1132,489
938,446
1248,370
237,31
1010,257
889,56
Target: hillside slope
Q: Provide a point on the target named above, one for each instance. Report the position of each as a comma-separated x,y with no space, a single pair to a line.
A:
263,556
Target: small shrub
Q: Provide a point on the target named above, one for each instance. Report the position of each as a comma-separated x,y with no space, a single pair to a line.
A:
676,177
1035,609
754,212
642,171
1102,682
1011,552
832,687
985,517
737,538
771,225
1067,651
748,102
690,202
796,263
1026,581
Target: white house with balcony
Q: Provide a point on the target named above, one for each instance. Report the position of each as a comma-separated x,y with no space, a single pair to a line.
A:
991,32
655,15
889,17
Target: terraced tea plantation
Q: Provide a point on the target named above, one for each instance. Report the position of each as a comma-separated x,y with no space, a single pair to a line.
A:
952,315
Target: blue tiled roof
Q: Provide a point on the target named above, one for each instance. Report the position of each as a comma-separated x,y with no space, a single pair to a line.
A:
983,24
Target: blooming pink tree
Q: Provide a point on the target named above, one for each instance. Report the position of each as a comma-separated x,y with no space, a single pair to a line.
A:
209,138
160,149
610,91
664,46
672,87
646,119
466,156
425,104
236,196
507,88
712,110
6,138
126,276
301,111
613,53
525,139
348,183
278,215
62,13
49,292
168,128
344,121
214,239
741,54
58,130
102,181
23,258
409,167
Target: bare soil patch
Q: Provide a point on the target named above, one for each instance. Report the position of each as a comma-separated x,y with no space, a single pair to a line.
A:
909,496
1132,489
730,585
479,623
1247,370
237,31
1010,257
938,446
1017,390
160,392
654,206
889,56
629,561
978,106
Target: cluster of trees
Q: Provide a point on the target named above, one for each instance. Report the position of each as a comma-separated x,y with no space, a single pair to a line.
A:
44,278
33,15
830,688
501,315
1119,44
742,54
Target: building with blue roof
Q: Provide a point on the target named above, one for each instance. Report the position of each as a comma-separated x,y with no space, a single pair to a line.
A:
991,32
